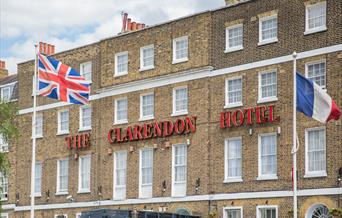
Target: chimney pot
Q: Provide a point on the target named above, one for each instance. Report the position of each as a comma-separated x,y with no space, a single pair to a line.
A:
139,26
129,24
142,25
124,22
134,25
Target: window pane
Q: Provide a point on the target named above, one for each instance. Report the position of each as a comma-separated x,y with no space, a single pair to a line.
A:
180,162
64,121
148,57
85,70
181,100
122,63
268,85
3,185
269,29
181,49
235,37
316,150
234,213
148,105
38,177
234,158
316,16
317,72
120,166
234,91
121,109
63,175
146,166
85,173
86,117
268,155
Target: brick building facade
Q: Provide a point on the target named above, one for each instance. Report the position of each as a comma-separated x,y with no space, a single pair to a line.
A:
199,67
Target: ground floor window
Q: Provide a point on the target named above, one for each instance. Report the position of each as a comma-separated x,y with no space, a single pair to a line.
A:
267,211
232,212
318,211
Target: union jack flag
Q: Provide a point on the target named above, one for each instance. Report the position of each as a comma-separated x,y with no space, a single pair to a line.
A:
61,82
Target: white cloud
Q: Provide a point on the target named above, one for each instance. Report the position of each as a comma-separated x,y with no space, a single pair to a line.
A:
69,24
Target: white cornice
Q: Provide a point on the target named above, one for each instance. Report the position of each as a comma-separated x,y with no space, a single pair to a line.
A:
188,76
193,198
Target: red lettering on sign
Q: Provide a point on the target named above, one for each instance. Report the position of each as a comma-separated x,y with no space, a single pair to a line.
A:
79,141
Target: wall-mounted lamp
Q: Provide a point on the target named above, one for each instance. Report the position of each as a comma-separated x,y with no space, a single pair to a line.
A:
250,131
188,141
17,197
47,193
70,198
164,185
99,190
76,156
131,149
110,151
197,184
155,146
167,145
279,130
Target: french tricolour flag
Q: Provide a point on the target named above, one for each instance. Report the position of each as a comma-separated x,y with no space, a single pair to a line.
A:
314,102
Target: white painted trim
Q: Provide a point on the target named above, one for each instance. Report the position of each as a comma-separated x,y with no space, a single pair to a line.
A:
183,112
7,206
116,121
226,178
173,192
266,176
188,76
318,29
235,48
114,175
174,60
235,104
316,62
59,132
232,208
116,73
215,197
8,84
271,40
311,174
58,191
258,215
142,67
81,127
149,117
79,175
91,67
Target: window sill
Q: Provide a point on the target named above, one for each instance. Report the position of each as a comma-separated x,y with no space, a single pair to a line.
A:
179,113
120,74
120,122
63,133
178,196
84,129
233,180
315,175
239,104
61,193
269,41
267,177
317,30
237,48
146,68
4,199
146,118
179,60
264,100
37,195
37,137
83,191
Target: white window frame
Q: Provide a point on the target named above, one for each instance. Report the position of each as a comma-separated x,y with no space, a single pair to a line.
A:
267,176
183,112
267,99
78,215
91,67
84,128
141,195
58,191
10,89
116,73
180,191
311,174
38,115
316,62
4,146
38,194
142,67
174,60
319,29
225,213
267,41
4,215
59,131
115,186
235,48
150,117
116,121
266,207
236,178
80,189
4,195
235,104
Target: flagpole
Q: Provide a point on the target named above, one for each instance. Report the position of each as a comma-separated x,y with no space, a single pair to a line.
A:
33,165
294,139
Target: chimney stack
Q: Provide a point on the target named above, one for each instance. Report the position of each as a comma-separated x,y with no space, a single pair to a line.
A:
3,70
46,49
129,25
234,2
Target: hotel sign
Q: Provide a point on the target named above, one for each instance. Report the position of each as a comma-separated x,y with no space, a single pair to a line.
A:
152,130
249,116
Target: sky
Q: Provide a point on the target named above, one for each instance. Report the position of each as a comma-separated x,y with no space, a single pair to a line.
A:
72,23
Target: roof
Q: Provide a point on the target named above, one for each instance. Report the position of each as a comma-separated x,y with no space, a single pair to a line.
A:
10,80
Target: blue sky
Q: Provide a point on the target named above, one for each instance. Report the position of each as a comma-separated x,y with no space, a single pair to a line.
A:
71,23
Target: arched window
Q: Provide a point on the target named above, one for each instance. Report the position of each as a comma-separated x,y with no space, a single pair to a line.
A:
318,211
182,211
